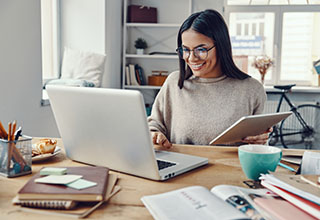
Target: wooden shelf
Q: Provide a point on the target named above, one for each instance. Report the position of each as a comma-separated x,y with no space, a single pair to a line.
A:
156,25
142,87
161,37
146,56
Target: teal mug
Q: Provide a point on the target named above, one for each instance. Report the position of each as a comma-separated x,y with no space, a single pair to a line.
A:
257,159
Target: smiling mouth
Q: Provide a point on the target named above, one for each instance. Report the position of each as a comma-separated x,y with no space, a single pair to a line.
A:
197,66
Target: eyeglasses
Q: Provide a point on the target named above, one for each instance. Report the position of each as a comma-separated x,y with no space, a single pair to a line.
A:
200,52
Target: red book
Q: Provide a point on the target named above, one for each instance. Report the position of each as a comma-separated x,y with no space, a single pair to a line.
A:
32,190
304,204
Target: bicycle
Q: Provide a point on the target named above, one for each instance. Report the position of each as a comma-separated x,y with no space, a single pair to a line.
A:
299,130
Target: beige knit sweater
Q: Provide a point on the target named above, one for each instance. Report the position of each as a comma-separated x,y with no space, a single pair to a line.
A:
204,107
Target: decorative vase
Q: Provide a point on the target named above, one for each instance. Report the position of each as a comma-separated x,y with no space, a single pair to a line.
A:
140,51
262,63
262,72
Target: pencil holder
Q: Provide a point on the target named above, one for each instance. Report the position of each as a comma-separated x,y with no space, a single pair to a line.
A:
16,157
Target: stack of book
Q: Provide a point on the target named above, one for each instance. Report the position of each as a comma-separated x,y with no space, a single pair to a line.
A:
302,191
276,201
77,199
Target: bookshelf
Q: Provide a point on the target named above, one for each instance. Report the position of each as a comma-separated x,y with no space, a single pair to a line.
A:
160,37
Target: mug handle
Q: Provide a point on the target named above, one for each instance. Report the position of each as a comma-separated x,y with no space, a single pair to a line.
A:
280,156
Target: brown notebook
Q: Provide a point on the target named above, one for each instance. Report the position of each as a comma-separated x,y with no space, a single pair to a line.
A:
81,210
33,190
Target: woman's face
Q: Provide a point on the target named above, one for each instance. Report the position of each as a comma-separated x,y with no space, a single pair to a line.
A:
204,68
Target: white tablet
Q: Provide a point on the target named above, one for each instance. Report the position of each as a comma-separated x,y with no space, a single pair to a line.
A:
249,126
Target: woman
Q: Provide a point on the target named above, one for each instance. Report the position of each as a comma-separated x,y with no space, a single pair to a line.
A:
209,93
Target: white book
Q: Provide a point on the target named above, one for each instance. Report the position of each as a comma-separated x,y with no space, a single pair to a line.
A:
133,78
293,184
197,202
128,80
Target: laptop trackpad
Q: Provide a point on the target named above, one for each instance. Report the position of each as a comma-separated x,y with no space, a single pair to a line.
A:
165,155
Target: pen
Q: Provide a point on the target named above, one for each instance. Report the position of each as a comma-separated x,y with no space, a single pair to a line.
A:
17,133
287,167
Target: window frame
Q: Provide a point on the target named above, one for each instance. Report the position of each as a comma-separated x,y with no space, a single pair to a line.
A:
55,40
278,11
55,45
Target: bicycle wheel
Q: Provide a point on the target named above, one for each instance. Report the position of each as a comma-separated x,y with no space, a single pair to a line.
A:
294,135
274,136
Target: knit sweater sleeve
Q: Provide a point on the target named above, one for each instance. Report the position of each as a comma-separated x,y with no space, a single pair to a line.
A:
156,119
161,109
260,100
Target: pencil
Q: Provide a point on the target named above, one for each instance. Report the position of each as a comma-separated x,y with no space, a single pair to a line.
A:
1,134
14,126
287,167
3,131
10,149
9,131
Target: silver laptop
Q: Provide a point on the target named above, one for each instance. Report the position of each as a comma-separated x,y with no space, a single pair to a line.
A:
108,127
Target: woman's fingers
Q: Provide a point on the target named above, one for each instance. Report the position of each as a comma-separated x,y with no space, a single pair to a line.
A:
258,139
160,139
167,144
154,137
163,141
269,130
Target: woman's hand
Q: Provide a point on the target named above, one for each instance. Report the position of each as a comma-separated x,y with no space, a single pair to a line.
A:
258,139
160,139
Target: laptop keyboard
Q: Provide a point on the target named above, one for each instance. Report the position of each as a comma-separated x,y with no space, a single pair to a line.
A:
164,164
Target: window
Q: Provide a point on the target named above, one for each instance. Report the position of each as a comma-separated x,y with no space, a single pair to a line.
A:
251,36
49,37
287,31
272,2
298,39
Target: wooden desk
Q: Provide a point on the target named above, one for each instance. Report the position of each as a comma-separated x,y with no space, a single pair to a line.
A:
223,168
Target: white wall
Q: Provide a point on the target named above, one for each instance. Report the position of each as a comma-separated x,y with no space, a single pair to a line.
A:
20,57
113,31
83,24
94,25
20,68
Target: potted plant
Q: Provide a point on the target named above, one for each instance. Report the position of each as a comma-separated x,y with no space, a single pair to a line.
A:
140,44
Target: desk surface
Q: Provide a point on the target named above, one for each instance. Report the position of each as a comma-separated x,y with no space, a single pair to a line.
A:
223,168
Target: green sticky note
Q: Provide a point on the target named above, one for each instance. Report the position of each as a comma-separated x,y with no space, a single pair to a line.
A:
58,179
81,184
53,171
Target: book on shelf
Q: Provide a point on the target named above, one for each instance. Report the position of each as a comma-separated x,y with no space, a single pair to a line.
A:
140,75
197,202
68,208
38,191
127,80
133,78
136,71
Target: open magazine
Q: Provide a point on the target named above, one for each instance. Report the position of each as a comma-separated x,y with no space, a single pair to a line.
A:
197,202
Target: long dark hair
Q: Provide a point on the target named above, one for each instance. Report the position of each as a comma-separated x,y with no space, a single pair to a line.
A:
211,24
